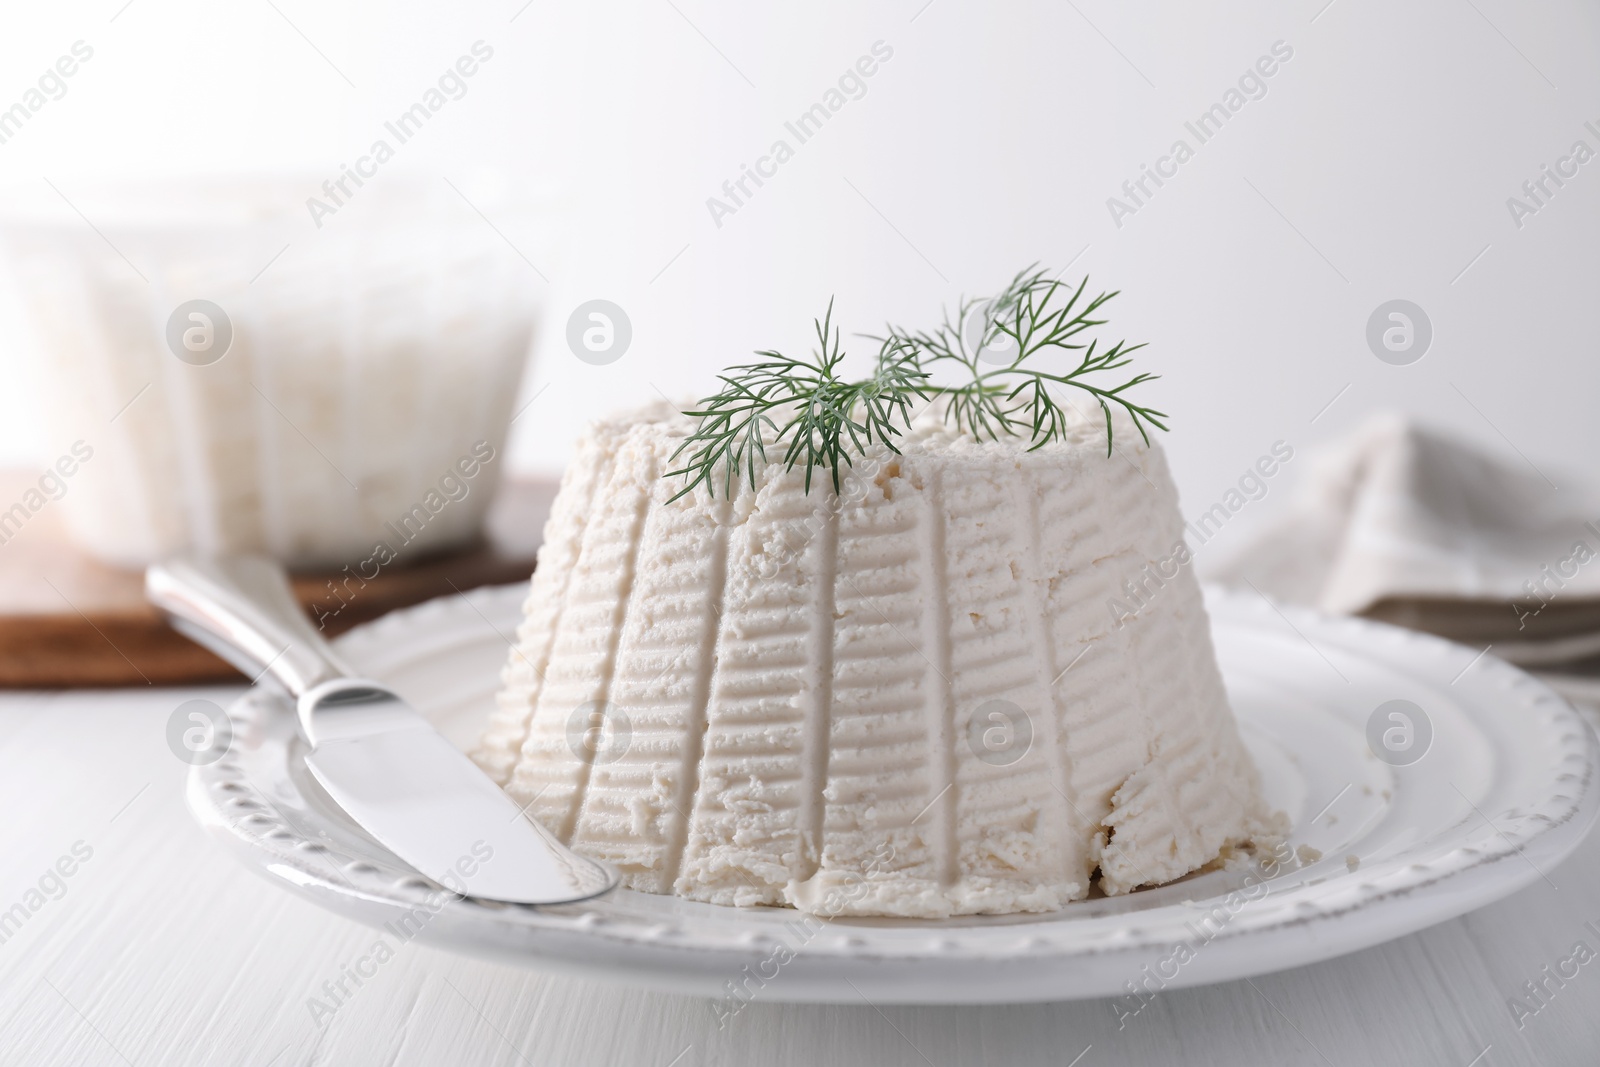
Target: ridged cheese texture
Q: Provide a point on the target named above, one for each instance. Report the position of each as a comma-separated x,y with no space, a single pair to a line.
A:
975,681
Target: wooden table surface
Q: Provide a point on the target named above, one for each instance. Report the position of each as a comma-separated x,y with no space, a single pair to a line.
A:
163,950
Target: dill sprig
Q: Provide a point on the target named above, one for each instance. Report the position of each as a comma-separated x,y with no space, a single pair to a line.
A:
829,420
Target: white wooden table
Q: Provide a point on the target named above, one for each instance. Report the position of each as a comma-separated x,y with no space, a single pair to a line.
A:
160,949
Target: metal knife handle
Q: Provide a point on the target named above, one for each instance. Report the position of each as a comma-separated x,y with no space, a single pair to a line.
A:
241,608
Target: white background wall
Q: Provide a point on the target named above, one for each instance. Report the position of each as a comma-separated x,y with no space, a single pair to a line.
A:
1377,166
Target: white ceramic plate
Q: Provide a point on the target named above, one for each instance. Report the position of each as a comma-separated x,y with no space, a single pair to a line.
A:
1506,789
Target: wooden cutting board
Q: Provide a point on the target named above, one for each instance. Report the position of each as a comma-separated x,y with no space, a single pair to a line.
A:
67,620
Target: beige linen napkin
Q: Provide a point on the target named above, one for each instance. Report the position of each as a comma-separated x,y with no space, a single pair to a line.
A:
1406,524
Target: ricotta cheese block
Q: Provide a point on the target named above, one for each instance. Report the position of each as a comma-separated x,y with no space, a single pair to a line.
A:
977,679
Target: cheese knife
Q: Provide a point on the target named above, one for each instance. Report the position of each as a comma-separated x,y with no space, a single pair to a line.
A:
400,780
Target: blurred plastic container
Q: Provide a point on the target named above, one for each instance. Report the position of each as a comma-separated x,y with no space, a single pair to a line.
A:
328,395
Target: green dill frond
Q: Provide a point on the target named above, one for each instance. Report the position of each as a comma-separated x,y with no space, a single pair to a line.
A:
828,421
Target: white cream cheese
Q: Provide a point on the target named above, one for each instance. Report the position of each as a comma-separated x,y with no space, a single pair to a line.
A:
922,699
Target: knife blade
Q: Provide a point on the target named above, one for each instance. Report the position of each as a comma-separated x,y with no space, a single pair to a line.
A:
421,798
